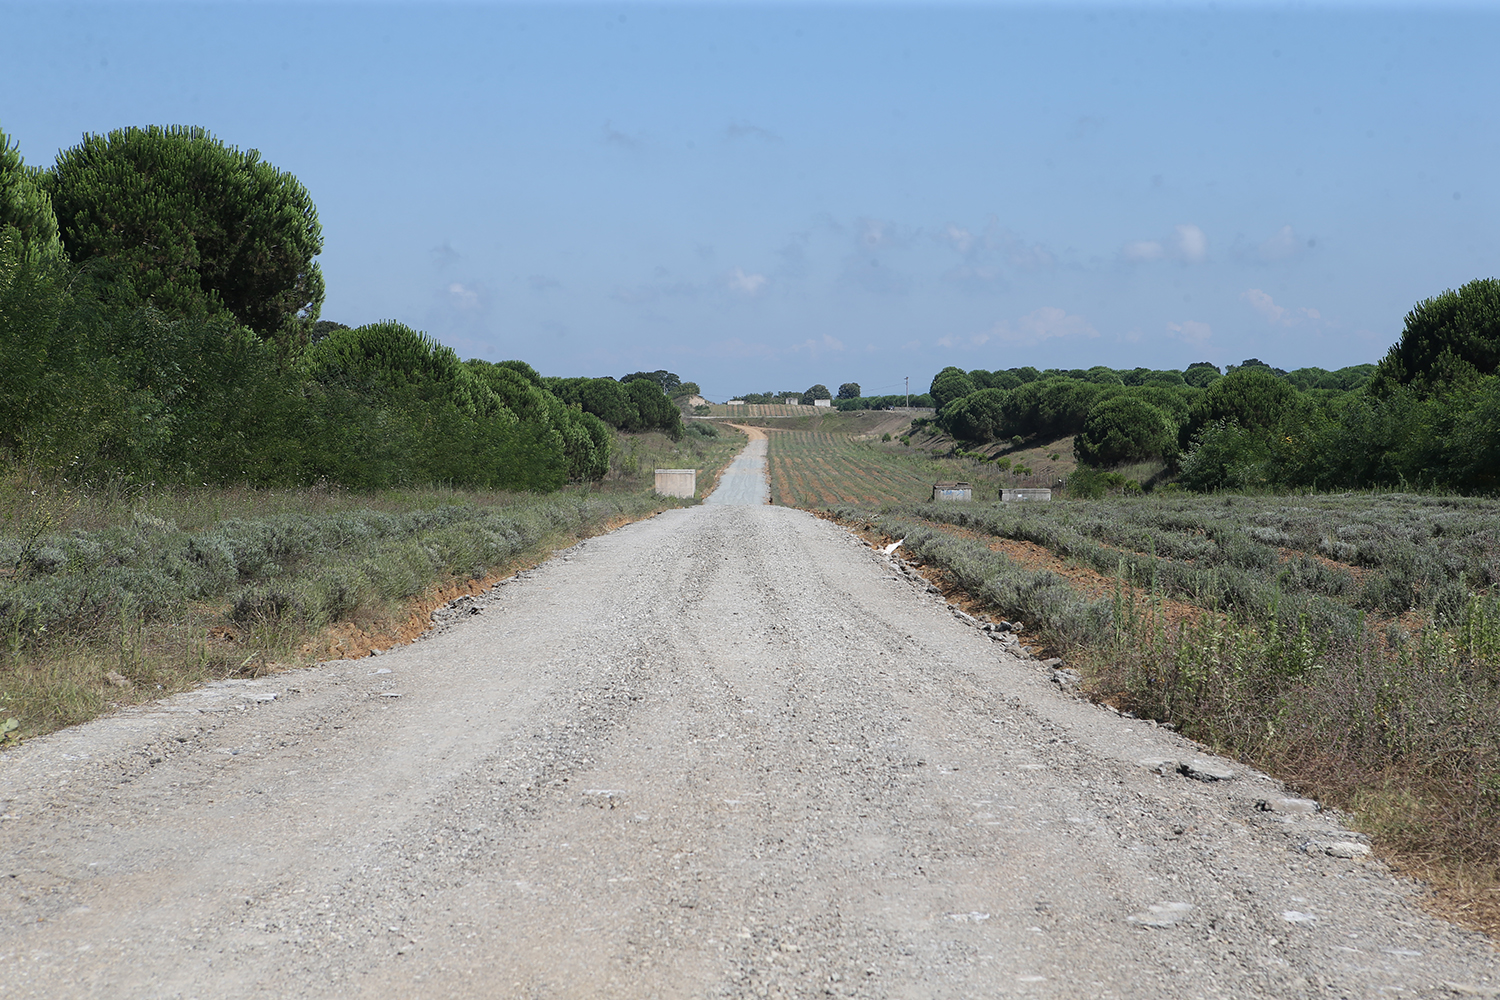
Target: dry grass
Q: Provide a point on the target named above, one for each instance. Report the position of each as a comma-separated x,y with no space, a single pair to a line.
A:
105,598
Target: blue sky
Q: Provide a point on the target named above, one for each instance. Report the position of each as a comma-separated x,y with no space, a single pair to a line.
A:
767,195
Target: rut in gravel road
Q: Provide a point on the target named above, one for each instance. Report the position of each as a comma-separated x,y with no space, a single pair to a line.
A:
729,751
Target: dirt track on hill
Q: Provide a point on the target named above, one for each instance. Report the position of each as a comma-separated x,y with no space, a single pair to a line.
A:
729,751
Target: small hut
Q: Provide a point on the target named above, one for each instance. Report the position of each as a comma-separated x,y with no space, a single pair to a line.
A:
952,491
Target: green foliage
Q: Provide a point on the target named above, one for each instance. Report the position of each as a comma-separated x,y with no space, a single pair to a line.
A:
1446,338
815,392
668,382
637,405
654,411
1124,428
1252,397
849,390
995,380
949,384
1201,375
192,227
883,402
24,204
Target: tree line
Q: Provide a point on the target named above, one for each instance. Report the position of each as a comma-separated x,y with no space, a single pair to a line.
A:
159,321
1428,415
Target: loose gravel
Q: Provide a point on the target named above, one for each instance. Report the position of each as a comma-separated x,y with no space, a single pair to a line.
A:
731,751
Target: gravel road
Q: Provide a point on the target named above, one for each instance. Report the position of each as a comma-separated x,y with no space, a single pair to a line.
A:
727,752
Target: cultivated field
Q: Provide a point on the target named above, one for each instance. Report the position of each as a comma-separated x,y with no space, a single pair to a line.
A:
821,467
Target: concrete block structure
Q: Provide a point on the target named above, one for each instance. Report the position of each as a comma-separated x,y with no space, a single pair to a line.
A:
952,491
1011,496
677,482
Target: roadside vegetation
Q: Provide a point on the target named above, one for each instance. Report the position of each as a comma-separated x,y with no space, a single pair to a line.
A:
115,594
1348,644
201,477
1427,416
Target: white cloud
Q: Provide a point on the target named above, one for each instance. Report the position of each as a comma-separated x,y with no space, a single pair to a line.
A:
1262,303
1191,331
1045,323
1187,244
464,297
1192,244
746,284
1286,243
961,239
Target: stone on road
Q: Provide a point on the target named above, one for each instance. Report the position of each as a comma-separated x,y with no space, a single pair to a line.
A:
727,752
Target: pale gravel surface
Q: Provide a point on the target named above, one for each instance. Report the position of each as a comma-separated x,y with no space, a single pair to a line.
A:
727,752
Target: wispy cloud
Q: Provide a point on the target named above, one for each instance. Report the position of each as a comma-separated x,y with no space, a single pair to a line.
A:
1191,331
746,284
1285,244
744,130
1046,323
1262,303
466,298
1187,244
817,348
976,340
994,244
616,137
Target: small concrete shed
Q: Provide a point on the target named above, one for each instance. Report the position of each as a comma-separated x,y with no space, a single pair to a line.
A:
952,491
677,482
1011,496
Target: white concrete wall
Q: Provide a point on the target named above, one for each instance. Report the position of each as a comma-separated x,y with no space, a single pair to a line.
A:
677,482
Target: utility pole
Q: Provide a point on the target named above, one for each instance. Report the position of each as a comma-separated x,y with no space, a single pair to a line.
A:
908,392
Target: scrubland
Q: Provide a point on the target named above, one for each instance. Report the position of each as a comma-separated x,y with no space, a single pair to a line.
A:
116,593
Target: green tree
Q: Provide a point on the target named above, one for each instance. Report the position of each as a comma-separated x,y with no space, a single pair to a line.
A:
654,410
1201,374
849,390
667,381
1447,337
813,392
23,202
1124,428
949,384
192,226
1251,397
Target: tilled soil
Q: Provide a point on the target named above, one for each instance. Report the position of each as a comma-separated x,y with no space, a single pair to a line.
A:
729,751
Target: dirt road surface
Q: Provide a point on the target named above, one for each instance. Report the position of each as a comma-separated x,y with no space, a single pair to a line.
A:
727,752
